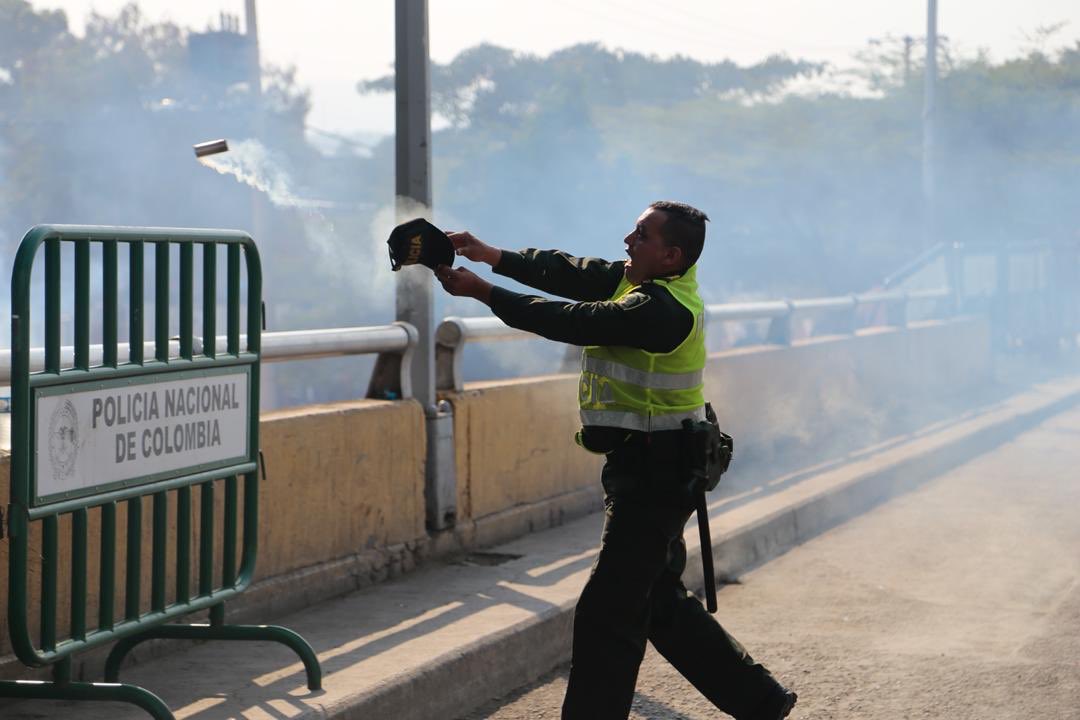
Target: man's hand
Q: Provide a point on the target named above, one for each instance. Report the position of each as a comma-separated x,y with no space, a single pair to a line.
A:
473,248
464,283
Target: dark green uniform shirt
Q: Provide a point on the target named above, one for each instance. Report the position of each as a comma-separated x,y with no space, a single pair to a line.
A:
648,317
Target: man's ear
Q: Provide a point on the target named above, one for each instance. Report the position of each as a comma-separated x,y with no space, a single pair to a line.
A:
674,256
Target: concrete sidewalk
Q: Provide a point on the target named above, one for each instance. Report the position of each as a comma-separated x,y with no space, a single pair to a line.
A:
443,639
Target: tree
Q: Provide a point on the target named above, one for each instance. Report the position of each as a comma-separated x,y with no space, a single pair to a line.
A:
488,85
98,128
808,193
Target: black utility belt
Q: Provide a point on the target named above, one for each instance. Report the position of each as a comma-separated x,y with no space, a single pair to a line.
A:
604,439
659,437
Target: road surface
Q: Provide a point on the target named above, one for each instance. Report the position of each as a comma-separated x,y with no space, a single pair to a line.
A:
958,600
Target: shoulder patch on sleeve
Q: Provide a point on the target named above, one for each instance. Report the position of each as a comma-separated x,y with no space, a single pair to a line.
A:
634,300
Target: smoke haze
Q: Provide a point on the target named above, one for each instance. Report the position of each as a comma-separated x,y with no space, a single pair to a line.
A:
810,192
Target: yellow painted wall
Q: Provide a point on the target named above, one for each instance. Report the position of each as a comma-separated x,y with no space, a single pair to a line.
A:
514,444
514,439
341,479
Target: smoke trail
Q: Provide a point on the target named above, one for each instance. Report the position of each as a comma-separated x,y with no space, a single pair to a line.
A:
338,256
252,164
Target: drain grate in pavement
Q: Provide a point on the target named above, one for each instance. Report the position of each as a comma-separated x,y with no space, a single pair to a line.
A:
487,558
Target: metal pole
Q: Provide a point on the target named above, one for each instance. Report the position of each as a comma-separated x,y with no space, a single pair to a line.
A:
414,297
251,29
259,209
415,304
929,140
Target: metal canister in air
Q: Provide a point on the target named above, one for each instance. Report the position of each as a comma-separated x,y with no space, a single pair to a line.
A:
210,147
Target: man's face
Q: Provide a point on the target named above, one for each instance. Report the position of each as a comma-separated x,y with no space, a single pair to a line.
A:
650,256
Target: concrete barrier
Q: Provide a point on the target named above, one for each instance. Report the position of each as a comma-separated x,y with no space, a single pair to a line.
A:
519,470
843,392
341,479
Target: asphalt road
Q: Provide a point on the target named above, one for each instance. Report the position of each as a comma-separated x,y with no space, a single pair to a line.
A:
958,600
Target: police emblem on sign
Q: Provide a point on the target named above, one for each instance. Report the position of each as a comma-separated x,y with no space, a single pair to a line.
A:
63,440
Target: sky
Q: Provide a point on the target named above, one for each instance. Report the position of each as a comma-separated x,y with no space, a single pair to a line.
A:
335,43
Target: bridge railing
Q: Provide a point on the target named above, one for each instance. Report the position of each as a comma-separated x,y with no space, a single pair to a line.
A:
1029,289
398,339
881,308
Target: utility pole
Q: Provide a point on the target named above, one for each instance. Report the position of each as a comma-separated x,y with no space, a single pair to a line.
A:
251,33
929,152
268,395
251,29
414,296
908,42
953,254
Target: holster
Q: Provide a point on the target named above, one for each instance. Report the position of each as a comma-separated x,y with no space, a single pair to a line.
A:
707,451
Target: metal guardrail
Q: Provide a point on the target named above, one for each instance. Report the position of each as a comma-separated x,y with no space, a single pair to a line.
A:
955,251
454,333
451,336
748,311
399,338
1029,289
917,263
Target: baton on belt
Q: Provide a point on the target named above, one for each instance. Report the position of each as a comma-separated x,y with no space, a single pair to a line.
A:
706,553
709,451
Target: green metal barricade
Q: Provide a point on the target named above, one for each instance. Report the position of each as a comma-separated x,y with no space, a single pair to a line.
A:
105,429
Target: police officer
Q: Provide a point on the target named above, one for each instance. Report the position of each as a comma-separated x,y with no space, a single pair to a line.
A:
641,322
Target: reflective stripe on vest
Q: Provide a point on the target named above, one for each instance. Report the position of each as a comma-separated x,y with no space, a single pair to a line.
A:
636,421
657,381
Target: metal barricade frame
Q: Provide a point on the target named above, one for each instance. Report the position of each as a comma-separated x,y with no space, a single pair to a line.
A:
30,504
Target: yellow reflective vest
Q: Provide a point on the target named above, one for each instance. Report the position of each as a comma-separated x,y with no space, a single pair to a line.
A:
633,389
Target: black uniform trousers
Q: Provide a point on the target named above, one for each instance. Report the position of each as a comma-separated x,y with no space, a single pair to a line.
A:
635,593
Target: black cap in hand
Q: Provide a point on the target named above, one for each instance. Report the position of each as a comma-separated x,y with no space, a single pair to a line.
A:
418,241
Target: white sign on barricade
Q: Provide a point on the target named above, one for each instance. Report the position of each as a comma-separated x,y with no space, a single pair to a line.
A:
92,436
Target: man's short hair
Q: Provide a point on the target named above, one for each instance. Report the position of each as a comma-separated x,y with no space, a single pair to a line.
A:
683,227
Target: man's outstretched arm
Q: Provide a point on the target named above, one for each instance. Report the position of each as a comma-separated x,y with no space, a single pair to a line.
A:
551,271
648,318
